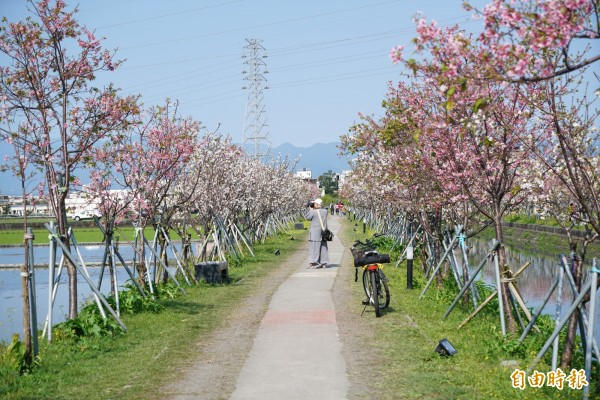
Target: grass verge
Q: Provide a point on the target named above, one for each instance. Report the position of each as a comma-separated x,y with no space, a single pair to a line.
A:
406,336
82,235
536,243
137,364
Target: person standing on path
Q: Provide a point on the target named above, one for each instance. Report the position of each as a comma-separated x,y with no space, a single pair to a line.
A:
318,253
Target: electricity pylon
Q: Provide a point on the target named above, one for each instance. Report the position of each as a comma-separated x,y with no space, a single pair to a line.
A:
256,128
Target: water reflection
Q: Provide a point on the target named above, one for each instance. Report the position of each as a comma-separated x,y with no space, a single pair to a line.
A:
535,281
91,254
11,315
11,312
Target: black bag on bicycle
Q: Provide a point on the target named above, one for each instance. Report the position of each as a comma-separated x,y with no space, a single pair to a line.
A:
374,258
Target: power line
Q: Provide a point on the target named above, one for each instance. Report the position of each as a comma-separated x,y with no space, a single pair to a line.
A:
168,15
333,78
292,50
282,22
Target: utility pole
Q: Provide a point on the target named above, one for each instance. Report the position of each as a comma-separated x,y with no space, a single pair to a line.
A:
256,129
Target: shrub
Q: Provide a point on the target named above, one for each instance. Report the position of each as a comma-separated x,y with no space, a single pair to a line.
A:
88,323
15,355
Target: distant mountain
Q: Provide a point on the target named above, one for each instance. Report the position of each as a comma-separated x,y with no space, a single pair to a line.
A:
318,158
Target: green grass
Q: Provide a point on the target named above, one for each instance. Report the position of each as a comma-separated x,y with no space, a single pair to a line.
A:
530,219
82,235
135,365
409,331
19,221
536,243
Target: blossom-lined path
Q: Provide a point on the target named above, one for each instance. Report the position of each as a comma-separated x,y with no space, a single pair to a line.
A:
297,353
283,342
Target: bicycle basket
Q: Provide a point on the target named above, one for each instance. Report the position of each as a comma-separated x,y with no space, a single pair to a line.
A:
357,253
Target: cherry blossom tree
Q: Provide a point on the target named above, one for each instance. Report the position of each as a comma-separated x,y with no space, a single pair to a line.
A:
521,42
19,166
235,189
46,88
389,173
520,34
471,132
536,41
211,182
524,41
567,146
393,175
214,160
112,204
568,185
273,191
147,161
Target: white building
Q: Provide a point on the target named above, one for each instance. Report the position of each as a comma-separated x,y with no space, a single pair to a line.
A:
304,174
17,208
80,201
344,175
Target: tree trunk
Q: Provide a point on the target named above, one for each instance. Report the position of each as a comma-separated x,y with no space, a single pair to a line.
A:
162,242
25,285
110,241
186,247
111,272
186,254
71,270
567,355
424,254
141,259
59,196
26,305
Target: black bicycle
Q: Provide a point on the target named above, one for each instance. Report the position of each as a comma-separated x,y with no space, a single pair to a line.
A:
373,278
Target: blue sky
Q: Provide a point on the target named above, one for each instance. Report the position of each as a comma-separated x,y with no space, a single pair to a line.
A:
327,60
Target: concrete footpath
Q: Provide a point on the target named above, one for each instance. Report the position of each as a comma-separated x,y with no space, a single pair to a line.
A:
297,352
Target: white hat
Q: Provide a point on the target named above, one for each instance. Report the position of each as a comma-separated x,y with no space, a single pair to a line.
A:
318,201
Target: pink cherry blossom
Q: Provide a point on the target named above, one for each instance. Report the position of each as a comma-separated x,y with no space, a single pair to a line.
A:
57,119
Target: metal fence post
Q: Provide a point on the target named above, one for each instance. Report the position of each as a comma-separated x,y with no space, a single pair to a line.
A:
32,302
499,289
592,313
409,267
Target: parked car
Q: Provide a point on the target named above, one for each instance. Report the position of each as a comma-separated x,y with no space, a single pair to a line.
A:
84,214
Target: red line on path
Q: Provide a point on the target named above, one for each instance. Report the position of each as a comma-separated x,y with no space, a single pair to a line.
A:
326,317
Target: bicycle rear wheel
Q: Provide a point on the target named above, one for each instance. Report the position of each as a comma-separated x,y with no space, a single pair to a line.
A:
370,284
366,278
384,290
375,292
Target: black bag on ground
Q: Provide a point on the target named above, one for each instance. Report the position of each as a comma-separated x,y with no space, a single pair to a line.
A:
327,235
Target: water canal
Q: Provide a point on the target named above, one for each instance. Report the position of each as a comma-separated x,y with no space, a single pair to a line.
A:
11,320
533,283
